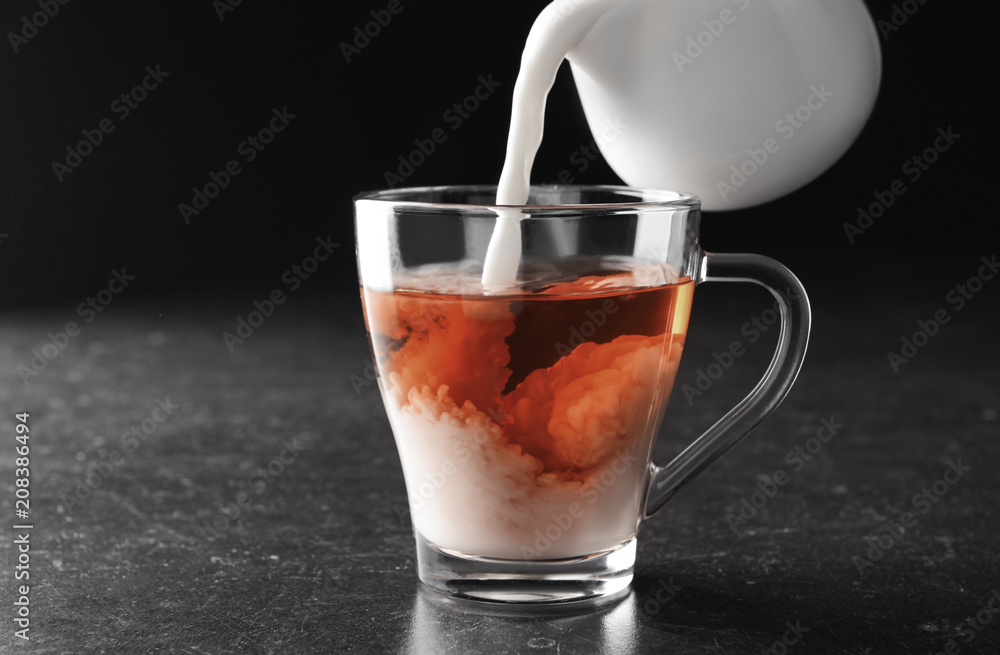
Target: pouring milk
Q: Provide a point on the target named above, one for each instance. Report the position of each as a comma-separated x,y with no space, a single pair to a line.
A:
736,101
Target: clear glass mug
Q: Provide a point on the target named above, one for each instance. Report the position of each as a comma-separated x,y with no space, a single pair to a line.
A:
525,417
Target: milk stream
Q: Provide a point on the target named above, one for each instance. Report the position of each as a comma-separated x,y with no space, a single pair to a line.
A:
721,127
556,30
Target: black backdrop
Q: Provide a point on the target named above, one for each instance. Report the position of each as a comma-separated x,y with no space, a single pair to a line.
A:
222,77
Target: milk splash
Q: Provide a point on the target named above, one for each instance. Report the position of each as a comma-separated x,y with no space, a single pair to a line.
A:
556,30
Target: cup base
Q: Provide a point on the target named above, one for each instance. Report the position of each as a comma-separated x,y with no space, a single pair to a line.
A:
583,580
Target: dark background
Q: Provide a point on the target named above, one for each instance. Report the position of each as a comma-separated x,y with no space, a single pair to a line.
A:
119,207
322,561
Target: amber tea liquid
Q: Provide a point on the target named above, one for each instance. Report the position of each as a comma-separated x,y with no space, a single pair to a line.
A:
536,409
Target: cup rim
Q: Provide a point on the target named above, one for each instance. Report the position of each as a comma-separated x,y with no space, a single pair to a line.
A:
651,198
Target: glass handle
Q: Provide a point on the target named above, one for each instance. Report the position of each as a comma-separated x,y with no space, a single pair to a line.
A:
667,480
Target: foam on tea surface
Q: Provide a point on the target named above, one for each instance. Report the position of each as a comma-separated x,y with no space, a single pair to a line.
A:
569,275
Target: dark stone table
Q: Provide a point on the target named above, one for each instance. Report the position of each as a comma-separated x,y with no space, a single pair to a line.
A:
254,504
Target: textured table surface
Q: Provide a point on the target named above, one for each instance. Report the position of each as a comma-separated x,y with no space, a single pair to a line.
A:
320,557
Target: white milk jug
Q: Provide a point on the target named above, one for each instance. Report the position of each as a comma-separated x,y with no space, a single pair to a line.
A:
736,101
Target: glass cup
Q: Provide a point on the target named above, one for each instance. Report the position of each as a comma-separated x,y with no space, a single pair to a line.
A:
525,416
